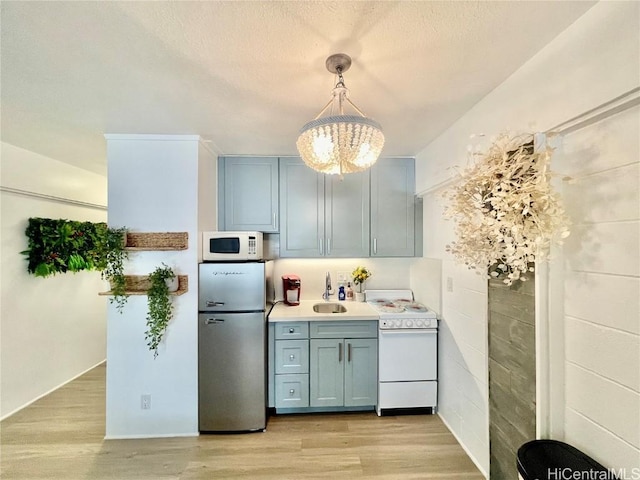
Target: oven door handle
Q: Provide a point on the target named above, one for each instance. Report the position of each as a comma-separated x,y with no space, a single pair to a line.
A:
404,331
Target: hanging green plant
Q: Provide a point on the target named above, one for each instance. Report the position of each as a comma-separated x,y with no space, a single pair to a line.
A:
112,259
160,306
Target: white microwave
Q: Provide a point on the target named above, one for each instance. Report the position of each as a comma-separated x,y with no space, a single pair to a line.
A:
231,246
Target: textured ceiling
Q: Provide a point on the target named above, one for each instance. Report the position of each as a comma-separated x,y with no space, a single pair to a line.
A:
247,75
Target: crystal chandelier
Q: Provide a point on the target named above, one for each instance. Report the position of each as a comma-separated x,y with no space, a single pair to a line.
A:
339,143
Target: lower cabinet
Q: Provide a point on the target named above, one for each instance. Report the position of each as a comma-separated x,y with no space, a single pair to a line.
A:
343,372
291,365
323,365
292,391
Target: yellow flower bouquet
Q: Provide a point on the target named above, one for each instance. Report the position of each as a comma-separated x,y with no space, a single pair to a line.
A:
360,274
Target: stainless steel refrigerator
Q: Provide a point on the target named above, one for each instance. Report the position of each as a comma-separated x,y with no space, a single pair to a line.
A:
232,347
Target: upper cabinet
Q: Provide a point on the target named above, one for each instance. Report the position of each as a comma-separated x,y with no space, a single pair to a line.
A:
392,208
366,214
248,194
322,215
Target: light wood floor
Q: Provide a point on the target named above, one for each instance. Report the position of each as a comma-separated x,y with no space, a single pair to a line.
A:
61,437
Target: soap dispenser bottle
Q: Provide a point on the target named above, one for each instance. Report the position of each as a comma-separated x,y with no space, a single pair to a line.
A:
349,291
341,293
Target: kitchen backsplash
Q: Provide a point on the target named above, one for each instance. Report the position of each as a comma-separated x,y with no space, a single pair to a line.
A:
386,273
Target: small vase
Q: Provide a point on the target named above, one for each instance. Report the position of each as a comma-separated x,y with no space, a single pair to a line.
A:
360,297
172,283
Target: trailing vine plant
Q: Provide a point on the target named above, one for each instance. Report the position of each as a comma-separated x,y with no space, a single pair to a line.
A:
160,307
505,211
112,265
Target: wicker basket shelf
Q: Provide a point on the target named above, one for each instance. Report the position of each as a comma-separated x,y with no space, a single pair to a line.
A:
139,284
157,240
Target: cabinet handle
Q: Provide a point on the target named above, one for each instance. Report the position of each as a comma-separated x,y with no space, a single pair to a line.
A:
348,352
375,245
320,245
292,330
340,352
291,392
292,357
328,246
275,220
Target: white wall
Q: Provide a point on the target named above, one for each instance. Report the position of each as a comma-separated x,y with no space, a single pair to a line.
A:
52,329
601,275
577,71
153,183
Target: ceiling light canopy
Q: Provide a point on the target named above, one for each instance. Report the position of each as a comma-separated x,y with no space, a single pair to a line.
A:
338,143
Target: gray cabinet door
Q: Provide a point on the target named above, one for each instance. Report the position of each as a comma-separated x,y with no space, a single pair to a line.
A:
322,215
301,210
392,208
326,373
360,372
250,193
347,215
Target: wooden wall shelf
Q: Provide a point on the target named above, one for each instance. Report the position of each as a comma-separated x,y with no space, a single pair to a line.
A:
139,284
157,240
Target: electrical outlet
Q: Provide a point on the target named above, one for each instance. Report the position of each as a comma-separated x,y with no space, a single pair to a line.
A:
449,284
145,402
343,277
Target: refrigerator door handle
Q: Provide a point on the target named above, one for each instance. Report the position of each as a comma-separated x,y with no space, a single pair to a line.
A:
214,304
213,321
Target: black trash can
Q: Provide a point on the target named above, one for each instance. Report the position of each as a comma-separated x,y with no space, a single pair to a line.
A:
555,460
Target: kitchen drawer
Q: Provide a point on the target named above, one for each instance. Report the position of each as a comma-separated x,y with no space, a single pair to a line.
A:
292,356
340,329
292,391
292,330
408,394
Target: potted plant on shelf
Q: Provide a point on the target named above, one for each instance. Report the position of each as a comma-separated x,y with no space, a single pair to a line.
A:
360,275
160,306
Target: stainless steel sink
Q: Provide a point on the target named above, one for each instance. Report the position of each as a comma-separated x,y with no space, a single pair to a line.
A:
329,308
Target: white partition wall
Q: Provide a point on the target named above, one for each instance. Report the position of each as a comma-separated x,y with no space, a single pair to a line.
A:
153,187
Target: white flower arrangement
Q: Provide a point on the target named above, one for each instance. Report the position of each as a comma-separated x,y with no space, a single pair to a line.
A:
505,210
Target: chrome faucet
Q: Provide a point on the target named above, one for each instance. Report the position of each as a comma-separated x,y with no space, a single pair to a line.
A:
327,287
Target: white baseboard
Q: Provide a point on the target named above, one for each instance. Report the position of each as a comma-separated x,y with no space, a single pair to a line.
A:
471,456
163,435
51,391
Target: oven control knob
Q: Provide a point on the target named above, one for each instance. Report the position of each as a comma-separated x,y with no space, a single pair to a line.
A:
419,323
409,323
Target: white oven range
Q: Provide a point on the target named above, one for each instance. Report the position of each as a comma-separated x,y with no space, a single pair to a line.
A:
407,352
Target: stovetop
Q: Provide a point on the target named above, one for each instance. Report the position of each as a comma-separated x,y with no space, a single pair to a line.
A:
400,305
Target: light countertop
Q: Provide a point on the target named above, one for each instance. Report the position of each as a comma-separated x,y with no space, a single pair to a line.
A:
304,312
